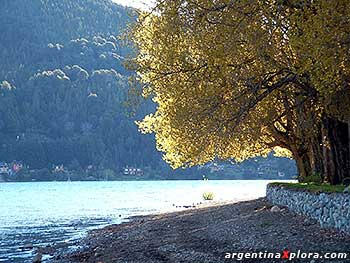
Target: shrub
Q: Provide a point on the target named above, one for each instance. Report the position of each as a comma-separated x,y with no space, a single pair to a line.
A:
315,178
208,195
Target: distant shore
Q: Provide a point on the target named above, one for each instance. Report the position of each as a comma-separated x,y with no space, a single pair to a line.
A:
6,179
208,234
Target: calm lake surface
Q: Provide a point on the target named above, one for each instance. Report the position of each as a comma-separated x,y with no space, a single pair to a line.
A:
45,213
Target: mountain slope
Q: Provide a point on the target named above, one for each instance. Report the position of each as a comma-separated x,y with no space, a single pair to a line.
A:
63,86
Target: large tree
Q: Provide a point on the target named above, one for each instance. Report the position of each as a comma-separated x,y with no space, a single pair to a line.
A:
321,40
230,81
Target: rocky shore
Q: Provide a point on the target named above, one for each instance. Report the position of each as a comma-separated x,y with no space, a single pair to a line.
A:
210,234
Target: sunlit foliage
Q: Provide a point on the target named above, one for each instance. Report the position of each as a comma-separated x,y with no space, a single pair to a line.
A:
236,79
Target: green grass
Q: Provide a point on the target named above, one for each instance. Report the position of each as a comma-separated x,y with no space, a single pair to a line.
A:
313,187
208,195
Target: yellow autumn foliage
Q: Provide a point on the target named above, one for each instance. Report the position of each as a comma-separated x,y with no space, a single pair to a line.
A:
228,77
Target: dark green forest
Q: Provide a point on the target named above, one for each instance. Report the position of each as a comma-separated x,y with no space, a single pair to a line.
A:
63,90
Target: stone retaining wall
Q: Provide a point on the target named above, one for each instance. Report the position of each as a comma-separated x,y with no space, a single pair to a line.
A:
331,210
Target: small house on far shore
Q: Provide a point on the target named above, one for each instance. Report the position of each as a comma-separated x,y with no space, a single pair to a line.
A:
4,168
132,171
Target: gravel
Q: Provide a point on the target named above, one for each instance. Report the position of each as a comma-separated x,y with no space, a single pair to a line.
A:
206,235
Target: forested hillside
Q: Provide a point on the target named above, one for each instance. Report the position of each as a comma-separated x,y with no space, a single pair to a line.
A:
63,88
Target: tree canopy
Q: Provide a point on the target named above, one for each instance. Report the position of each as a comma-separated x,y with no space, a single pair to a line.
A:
236,79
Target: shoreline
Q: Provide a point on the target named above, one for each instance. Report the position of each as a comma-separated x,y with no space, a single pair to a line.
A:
207,234
135,179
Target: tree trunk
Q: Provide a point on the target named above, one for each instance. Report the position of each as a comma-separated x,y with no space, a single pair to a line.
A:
336,150
308,154
303,163
316,154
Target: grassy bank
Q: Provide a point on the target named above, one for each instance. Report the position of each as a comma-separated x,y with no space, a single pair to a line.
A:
313,187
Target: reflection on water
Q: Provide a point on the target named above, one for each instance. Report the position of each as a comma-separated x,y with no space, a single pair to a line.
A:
44,213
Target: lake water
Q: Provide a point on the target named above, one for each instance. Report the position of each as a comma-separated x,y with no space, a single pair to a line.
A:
45,213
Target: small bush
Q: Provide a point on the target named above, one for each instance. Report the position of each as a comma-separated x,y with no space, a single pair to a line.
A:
315,178
208,195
